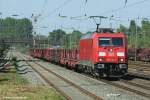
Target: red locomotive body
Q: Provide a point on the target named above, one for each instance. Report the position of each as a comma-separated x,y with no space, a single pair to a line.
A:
104,53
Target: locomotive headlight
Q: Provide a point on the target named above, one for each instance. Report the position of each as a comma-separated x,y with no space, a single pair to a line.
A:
102,54
121,60
120,54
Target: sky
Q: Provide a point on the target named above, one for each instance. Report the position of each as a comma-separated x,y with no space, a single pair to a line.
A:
51,9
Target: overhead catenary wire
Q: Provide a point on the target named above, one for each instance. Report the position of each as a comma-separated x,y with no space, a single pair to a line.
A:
80,18
57,8
43,7
126,2
85,17
85,2
129,5
41,10
52,12
61,6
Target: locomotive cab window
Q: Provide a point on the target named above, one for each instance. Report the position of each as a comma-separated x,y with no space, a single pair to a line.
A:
111,41
117,42
104,41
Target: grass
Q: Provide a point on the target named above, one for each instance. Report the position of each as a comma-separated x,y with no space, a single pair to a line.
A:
14,87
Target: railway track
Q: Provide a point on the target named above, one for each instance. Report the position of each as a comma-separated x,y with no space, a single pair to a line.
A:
69,83
128,88
139,69
136,84
137,65
124,87
5,61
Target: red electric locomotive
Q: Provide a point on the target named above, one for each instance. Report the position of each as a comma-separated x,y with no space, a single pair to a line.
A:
101,53
104,53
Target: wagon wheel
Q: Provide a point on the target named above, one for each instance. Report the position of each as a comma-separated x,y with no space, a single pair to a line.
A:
76,68
148,58
67,66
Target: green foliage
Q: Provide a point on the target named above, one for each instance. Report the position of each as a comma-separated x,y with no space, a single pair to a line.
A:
71,41
132,27
11,27
62,39
123,29
137,36
56,37
74,39
146,27
13,85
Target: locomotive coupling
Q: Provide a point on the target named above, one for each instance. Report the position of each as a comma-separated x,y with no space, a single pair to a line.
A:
100,66
123,66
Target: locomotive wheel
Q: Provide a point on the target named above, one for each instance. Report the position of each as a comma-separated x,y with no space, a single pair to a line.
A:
95,73
101,74
98,73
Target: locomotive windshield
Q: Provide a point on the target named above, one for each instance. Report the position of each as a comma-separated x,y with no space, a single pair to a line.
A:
117,41
104,42
111,41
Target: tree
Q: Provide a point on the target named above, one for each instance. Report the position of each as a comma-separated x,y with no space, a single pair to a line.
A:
146,27
56,37
132,27
75,38
145,34
24,28
62,39
16,28
123,29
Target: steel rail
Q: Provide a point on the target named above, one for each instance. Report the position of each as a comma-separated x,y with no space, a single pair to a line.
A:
121,86
127,88
136,84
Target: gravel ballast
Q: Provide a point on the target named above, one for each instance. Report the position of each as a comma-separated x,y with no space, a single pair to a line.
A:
29,74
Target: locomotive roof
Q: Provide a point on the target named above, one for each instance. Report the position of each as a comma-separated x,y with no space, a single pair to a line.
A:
90,35
111,34
105,30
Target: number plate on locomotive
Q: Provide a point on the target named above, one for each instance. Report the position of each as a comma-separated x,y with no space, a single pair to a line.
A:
111,59
111,54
